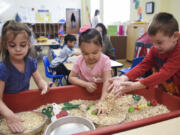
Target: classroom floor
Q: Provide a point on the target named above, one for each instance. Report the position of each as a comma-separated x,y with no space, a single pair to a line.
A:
42,72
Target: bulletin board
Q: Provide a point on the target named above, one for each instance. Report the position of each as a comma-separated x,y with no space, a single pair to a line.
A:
43,16
112,30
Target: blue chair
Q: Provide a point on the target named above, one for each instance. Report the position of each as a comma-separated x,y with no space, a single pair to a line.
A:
49,73
135,62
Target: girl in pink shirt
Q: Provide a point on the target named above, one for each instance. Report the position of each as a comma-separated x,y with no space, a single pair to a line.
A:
92,66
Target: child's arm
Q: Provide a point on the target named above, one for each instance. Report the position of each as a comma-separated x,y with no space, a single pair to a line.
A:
127,87
13,121
73,78
106,83
40,82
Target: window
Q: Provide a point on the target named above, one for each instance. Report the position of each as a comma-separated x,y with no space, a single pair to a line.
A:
95,4
116,11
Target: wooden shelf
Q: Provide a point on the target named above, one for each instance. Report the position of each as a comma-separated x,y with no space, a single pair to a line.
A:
49,30
134,31
119,43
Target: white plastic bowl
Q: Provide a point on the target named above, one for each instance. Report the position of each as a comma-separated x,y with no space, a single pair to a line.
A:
69,125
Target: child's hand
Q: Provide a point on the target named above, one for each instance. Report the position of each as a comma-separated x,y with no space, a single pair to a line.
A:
46,87
97,110
91,87
127,87
123,88
14,123
116,81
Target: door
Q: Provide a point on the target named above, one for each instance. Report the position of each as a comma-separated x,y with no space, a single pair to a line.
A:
73,21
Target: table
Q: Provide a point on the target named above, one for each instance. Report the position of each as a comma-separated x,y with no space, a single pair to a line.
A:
38,48
50,42
115,65
168,127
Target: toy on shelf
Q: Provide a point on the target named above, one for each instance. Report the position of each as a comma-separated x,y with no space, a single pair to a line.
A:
42,39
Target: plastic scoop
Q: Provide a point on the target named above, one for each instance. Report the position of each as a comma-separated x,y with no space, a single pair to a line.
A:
57,112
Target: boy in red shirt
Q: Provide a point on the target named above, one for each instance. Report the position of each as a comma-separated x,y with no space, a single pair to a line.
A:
163,58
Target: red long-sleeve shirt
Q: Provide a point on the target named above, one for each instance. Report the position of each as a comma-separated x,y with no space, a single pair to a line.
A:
167,65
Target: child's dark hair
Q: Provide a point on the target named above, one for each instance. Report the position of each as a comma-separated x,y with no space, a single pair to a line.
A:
104,30
165,23
70,38
13,28
90,36
97,12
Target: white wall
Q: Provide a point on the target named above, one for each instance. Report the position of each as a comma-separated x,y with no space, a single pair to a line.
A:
146,17
57,8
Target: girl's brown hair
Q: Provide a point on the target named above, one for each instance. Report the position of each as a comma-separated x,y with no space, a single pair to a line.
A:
14,28
91,36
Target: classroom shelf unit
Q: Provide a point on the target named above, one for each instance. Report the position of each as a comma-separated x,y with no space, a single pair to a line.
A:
134,31
49,30
119,43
